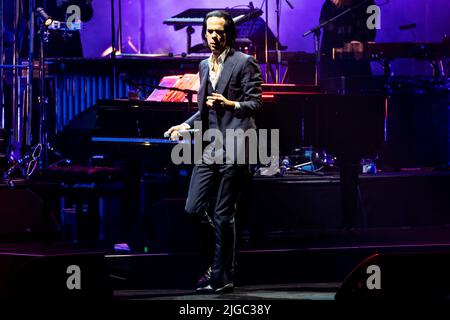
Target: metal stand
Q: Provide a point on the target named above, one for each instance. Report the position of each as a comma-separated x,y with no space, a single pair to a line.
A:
266,42
21,123
142,28
16,121
115,47
29,90
277,42
18,128
119,5
317,53
113,52
2,62
189,31
43,132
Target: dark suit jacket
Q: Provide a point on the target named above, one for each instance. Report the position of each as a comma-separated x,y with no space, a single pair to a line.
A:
240,80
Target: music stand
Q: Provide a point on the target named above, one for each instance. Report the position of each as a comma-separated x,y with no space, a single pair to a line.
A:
189,93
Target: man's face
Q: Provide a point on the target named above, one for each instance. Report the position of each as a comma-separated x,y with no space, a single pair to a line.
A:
215,34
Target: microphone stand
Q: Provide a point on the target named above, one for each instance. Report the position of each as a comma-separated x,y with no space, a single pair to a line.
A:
317,30
277,42
113,53
43,138
266,42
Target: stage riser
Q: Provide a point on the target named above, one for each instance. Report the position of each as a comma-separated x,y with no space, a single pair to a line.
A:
21,214
418,276
40,276
279,207
302,209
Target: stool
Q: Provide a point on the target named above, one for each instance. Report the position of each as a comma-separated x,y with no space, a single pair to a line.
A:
87,185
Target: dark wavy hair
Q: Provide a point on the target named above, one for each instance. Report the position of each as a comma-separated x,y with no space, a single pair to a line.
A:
230,28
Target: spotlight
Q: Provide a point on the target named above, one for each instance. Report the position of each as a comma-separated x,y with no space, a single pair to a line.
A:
44,16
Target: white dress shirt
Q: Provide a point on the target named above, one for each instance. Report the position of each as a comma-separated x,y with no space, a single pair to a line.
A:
214,75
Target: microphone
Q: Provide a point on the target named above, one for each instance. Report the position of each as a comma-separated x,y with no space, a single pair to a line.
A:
44,16
181,132
408,26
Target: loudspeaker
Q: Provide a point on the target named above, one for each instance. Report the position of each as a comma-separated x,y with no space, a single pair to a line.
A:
282,208
21,213
169,228
53,276
164,225
417,130
399,277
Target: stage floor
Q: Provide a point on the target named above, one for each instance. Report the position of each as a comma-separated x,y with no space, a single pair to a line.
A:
291,251
291,291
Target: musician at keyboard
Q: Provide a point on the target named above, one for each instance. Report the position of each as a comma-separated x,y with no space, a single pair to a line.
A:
228,98
348,28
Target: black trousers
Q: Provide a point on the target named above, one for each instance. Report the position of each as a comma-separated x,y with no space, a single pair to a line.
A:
231,181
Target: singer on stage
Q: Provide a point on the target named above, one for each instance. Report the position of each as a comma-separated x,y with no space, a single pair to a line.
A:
228,98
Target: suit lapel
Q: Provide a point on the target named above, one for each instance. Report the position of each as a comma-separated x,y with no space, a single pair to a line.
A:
204,75
226,73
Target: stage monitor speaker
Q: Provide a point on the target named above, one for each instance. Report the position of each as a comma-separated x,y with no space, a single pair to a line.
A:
420,276
417,133
53,276
171,230
21,214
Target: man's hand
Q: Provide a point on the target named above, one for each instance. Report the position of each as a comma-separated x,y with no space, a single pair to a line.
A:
174,133
218,100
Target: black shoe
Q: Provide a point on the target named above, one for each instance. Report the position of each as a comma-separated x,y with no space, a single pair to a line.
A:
204,280
224,288
228,287
212,288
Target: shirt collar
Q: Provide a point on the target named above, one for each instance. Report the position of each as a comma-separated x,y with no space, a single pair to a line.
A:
221,58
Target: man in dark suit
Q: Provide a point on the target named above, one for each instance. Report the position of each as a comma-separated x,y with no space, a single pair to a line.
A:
229,97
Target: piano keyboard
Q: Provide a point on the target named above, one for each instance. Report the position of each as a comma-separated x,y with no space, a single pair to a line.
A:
141,141
195,21
181,20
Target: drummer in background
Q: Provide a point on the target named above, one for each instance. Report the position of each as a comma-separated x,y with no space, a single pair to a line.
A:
350,27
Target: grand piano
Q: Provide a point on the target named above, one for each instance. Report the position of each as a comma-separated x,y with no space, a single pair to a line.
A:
349,126
130,132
